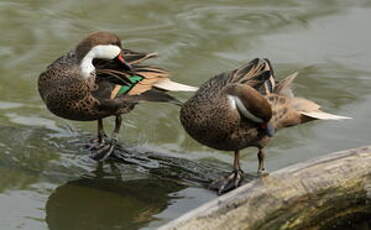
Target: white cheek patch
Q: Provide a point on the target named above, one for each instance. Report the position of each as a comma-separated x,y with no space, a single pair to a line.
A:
236,103
105,51
99,51
86,67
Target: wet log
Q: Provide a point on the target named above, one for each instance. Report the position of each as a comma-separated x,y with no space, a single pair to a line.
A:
310,195
164,166
170,167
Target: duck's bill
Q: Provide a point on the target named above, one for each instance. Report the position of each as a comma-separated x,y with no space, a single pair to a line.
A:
123,63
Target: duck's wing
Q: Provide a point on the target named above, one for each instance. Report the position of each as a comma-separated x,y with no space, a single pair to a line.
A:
110,70
258,74
141,79
144,78
155,77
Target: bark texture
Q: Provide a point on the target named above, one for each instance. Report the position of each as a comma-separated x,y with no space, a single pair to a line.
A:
309,195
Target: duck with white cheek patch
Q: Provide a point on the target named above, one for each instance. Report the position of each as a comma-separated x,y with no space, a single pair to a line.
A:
98,79
244,108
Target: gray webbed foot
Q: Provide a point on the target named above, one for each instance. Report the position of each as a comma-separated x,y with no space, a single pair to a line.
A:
262,172
228,183
104,150
96,143
261,166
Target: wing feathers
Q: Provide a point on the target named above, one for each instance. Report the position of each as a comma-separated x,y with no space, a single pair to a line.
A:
258,74
152,76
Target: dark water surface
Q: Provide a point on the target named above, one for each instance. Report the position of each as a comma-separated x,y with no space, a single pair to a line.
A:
47,181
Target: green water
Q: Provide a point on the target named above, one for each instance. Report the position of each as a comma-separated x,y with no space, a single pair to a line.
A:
47,181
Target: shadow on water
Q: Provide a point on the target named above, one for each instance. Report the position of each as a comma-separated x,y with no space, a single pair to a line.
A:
106,202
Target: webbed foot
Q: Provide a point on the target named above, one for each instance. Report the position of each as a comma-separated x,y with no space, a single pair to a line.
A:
261,166
103,150
96,143
228,183
262,172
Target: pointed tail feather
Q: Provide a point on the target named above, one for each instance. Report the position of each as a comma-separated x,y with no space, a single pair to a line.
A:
324,116
312,110
168,85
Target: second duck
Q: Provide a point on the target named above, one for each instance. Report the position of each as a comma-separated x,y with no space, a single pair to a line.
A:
244,108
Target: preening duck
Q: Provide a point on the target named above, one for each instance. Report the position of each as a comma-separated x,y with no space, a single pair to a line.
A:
99,78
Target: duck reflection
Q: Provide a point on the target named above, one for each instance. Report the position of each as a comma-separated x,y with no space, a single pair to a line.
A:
108,202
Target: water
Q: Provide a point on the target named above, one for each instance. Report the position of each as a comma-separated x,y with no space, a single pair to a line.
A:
48,183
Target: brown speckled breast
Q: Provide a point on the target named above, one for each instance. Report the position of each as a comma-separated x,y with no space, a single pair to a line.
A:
67,95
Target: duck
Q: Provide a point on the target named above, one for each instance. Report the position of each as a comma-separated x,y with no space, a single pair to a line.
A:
245,108
99,78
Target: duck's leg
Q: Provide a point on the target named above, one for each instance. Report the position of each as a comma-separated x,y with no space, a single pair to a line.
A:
101,133
116,131
231,181
98,142
107,149
261,165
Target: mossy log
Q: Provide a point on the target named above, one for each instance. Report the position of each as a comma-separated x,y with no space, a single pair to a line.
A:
310,195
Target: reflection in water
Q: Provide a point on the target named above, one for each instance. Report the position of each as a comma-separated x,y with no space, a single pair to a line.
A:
106,202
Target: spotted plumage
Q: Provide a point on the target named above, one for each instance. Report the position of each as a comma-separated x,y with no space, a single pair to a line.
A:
98,78
244,108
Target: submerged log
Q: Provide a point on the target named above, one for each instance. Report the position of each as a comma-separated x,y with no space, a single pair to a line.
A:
310,195
170,167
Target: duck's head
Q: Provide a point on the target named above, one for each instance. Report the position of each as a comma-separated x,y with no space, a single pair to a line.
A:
100,45
252,106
